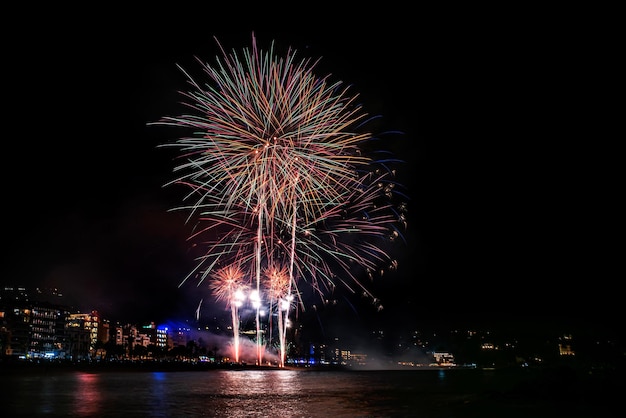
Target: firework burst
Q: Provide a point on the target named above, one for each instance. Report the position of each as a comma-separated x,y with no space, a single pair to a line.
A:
278,178
278,287
229,284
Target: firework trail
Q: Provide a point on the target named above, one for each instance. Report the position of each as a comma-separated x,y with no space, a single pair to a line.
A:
278,284
198,310
279,181
228,284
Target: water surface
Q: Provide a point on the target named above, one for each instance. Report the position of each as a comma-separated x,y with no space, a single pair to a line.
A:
297,393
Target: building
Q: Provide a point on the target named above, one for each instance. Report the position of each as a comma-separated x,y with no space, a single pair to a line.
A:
32,326
83,332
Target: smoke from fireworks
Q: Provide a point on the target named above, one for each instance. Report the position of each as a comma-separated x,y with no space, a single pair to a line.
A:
280,181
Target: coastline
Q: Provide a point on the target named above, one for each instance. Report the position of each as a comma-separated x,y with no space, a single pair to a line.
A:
43,367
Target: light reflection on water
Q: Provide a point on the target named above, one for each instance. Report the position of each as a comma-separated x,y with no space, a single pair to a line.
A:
87,396
265,393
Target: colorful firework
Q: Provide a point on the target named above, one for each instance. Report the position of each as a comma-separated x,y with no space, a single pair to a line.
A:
228,284
278,285
279,178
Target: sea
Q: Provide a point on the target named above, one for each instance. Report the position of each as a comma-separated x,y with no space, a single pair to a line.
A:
431,393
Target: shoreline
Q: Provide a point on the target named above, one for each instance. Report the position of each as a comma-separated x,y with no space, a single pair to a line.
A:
147,366
12,366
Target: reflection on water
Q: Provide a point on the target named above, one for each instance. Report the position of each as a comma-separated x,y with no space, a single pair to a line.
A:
158,391
47,395
255,393
87,396
283,393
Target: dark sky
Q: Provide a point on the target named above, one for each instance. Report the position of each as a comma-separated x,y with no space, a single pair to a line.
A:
511,190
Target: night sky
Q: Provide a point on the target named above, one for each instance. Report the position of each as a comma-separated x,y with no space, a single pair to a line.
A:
512,203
